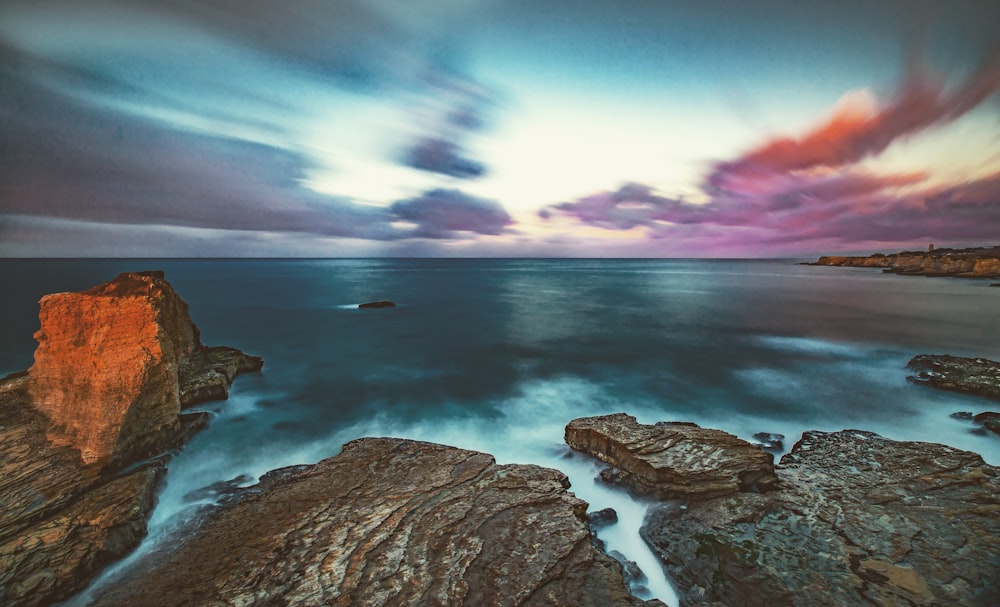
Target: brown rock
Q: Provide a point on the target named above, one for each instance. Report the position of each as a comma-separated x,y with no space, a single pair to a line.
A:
105,371
104,392
388,522
667,460
979,376
207,374
377,304
859,520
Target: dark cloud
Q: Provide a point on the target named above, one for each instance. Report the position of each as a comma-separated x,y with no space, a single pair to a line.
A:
97,166
452,214
442,156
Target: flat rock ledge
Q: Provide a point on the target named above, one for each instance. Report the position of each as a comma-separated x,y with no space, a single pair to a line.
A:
859,520
672,460
387,522
84,433
979,376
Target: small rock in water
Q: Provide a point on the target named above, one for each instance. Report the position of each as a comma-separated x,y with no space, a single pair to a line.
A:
602,518
634,576
986,416
377,304
770,442
966,415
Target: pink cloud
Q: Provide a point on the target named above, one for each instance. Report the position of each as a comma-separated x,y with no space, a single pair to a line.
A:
812,190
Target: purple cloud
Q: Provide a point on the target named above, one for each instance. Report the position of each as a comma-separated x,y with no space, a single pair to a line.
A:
447,214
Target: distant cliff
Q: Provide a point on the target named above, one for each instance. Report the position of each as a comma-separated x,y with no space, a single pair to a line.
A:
983,262
114,365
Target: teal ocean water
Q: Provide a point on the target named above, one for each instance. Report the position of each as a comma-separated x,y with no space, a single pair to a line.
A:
498,355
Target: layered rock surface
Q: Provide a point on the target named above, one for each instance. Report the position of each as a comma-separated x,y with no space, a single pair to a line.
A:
859,520
388,522
979,376
981,262
672,460
104,393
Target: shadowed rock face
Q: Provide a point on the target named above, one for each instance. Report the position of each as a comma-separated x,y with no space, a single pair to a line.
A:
860,520
669,460
105,391
388,522
977,376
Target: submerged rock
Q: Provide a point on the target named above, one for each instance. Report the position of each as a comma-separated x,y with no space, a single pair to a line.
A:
670,460
979,376
388,522
859,520
103,394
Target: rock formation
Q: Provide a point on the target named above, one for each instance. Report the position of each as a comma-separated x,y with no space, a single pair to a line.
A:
981,262
859,520
671,460
977,376
387,522
105,391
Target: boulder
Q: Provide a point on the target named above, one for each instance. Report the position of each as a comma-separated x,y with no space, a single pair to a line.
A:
377,304
859,520
387,522
103,394
979,376
672,460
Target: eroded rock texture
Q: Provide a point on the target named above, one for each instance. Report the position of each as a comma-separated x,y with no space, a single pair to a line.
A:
103,394
860,520
978,376
388,522
671,460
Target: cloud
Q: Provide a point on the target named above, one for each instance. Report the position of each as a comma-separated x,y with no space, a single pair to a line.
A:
814,189
444,214
860,127
439,155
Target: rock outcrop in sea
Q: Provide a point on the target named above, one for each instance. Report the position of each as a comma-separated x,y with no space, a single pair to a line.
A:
856,519
979,376
388,522
983,262
113,368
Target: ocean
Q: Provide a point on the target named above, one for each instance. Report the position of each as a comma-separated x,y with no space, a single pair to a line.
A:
498,355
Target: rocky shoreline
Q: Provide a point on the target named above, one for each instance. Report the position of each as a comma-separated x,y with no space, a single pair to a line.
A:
86,431
844,518
982,262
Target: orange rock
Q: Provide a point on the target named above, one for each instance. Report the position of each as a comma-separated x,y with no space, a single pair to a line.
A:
106,367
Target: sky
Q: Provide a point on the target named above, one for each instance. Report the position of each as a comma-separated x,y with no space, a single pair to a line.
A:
479,128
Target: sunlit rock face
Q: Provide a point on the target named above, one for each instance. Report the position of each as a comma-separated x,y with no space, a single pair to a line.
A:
388,522
113,366
106,366
983,262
